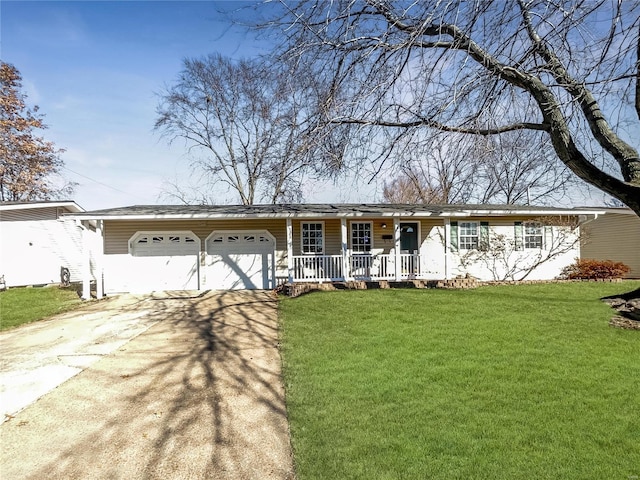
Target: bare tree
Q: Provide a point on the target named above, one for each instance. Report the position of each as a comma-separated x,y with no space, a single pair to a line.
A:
246,125
567,68
519,168
431,172
454,168
28,163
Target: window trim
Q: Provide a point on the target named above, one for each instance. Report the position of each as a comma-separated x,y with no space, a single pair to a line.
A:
366,222
322,230
525,235
461,236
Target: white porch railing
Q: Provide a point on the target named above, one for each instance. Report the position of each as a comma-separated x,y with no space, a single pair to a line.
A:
323,268
320,268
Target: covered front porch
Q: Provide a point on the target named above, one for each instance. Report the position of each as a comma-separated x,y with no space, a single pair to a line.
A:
333,268
398,253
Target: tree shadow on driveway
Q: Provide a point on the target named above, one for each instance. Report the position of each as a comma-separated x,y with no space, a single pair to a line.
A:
198,395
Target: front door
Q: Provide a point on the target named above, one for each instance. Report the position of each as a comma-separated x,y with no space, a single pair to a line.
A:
409,237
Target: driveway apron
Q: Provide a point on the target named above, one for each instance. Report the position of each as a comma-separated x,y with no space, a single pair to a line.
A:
198,394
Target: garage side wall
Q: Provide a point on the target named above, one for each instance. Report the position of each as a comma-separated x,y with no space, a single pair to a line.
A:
614,236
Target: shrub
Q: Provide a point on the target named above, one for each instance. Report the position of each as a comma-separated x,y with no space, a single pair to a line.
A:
594,269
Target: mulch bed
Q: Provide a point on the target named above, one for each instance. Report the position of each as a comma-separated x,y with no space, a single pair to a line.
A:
628,307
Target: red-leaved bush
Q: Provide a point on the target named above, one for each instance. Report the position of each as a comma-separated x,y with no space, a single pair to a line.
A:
594,269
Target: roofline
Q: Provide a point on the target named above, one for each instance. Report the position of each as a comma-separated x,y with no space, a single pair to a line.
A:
285,215
70,204
620,210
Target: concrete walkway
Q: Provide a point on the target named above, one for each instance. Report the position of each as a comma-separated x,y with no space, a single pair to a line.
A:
196,394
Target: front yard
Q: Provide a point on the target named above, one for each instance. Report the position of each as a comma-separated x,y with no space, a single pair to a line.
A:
24,305
504,382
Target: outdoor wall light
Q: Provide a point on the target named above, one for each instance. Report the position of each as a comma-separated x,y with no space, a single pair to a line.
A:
383,225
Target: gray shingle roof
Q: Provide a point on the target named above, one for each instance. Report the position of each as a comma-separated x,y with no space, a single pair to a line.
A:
321,210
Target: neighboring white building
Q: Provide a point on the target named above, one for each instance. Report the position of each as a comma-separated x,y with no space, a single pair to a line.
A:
36,241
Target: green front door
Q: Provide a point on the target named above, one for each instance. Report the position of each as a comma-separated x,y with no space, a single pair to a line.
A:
409,237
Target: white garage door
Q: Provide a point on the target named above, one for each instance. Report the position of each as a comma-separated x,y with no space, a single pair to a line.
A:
240,260
164,261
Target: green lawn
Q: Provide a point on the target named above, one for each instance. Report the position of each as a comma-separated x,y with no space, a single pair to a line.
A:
24,305
505,382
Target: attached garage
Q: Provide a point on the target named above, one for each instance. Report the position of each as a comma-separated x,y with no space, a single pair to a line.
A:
164,260
239,260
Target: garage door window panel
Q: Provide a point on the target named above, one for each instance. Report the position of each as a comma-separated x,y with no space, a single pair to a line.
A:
164,244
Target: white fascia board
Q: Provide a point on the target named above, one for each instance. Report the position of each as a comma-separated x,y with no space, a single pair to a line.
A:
73,206
319,215
519,213
220,216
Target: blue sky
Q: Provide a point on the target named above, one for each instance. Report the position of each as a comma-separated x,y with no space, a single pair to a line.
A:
95,68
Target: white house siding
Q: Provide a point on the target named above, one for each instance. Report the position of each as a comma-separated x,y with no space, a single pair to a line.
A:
35,244
513,264
432,248
614,236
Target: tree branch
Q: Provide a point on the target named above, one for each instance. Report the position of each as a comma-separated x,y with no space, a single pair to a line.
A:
423,122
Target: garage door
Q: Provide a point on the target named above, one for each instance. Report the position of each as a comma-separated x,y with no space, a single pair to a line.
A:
164,261
239,260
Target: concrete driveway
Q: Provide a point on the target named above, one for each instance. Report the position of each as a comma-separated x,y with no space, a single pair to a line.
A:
169,387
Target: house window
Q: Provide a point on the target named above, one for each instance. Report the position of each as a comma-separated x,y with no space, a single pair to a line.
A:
468,235
312,237
532,235
361,237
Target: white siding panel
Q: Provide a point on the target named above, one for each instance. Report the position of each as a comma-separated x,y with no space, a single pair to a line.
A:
32,252
30,214
432,248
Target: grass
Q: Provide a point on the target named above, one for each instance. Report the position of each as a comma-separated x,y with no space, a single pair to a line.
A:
24,305
504,382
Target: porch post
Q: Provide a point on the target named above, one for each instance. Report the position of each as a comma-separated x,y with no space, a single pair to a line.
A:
99,240
289,250
447,247
396,249
345,248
